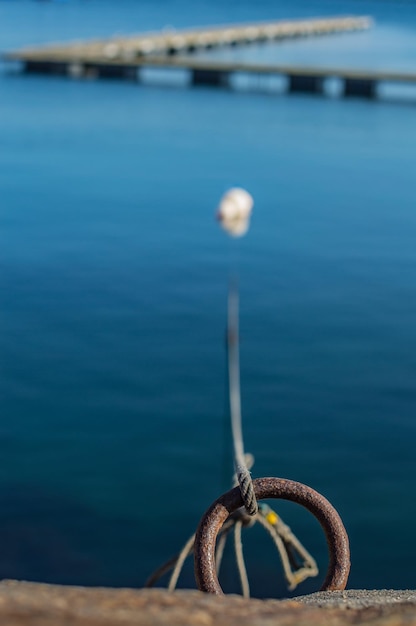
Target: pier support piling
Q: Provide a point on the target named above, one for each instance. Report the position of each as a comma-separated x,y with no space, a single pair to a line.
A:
45,67
213,78
359,87
305,84
114,71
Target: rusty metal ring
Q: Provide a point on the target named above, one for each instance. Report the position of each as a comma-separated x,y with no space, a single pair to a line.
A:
284,489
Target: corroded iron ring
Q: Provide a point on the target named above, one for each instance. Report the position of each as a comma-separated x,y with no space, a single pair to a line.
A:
283,489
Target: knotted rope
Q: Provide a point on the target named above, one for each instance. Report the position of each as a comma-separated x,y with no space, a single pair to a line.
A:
242,471
286,543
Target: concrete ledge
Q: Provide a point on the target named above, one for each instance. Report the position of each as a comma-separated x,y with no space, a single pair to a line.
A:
360,598
24,604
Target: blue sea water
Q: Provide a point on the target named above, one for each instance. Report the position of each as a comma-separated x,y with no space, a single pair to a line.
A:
113,430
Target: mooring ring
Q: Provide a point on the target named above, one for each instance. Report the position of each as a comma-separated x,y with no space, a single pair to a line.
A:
283,489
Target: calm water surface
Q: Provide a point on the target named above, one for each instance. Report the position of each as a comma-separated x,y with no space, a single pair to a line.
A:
113,286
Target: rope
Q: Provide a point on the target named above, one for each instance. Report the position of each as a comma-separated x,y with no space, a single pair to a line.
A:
241,566
280,546
177,561
242,472
219,552
287,545
183,555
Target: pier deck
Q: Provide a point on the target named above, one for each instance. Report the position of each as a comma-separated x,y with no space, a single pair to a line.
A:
169,43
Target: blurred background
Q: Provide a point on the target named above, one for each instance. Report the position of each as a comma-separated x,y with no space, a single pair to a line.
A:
113,279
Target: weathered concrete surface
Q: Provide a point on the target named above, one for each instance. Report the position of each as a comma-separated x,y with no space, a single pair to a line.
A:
24,604
359,598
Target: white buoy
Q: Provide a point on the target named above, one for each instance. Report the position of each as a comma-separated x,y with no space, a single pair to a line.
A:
234,211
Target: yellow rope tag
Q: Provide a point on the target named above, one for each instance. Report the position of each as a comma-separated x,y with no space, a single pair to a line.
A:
272,518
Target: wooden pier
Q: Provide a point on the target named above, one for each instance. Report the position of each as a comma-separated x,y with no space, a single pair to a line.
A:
171,42
123,58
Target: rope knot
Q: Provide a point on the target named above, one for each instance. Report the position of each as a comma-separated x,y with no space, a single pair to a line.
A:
247,489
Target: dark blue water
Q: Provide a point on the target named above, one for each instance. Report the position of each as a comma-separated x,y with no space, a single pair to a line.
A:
113,293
